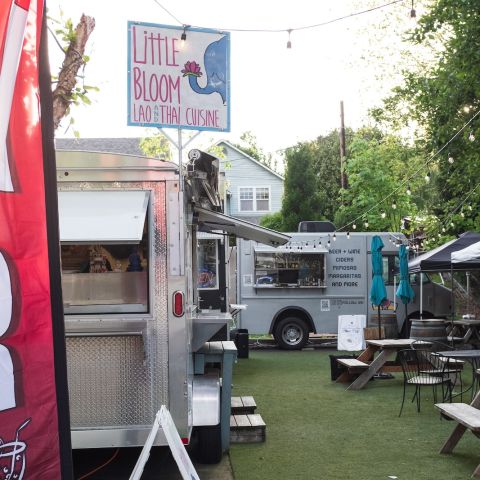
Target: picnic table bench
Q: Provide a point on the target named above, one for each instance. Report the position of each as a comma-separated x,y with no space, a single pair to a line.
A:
467,417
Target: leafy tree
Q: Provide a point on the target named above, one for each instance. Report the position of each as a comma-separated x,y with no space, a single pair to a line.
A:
378,166
273,221
441,99
69,86
156,146
300,188
326,164
251,148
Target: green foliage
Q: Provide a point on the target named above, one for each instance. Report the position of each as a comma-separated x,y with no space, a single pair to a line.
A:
156,146
300,201
441,99
251,148
274,221
378,166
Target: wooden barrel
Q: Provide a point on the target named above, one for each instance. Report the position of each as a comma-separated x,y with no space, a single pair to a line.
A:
431,329
389,324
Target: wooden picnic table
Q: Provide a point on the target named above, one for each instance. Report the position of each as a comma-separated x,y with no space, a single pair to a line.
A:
466,330
372,360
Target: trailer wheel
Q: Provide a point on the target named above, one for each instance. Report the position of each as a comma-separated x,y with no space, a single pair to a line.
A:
291,333
209,446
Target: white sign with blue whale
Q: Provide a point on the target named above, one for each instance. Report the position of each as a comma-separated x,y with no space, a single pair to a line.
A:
178,77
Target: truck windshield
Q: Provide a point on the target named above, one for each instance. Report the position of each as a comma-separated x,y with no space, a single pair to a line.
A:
287,269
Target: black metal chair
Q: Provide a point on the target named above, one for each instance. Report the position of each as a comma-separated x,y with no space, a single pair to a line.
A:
439,365
416,372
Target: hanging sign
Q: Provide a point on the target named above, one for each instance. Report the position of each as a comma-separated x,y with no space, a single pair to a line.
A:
178,77
30,436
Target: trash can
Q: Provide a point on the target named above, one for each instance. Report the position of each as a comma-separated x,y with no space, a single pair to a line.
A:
335,368
240,338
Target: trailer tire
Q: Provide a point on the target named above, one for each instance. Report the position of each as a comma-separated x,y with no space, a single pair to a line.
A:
291,333
209,446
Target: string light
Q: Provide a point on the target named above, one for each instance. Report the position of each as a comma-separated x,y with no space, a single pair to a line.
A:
471,137
409,190
183,37
383,214
348,235
450,158
334,237
469,207
413,13
366,223
394,205
289,43
354,226
462,214
427,177
328,242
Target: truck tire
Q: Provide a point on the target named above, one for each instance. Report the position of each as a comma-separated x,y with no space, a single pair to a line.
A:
291,333
209,446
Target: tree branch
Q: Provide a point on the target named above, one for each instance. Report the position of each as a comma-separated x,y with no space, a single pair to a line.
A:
67,77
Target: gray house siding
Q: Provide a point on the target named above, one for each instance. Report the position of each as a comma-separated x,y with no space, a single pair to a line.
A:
244,171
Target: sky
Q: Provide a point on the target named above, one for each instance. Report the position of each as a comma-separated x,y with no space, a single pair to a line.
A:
283,96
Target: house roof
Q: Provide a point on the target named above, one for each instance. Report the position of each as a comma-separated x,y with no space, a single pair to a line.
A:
126,146
260,164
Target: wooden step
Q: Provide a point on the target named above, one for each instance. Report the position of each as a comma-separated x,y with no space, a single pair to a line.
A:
243,405
247,428
352,363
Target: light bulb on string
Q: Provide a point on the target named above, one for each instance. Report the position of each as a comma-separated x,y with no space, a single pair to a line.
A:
289,43
427,177
413,13
469,207
348,235
354,226
394,205
409,190
471,137
328,242
452,224
183,37
366,223
383,214
462,214
450,159
334,237
444,229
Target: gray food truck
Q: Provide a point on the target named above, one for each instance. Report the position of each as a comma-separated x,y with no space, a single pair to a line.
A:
303,286
136,339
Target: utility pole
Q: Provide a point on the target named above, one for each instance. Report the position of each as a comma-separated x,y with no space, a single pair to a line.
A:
343,176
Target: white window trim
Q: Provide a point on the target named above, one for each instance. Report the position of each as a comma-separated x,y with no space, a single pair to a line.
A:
255,199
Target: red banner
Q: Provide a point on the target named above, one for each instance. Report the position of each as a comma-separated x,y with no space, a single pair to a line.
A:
29,432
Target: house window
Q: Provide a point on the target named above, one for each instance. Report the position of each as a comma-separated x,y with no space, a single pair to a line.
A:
254,199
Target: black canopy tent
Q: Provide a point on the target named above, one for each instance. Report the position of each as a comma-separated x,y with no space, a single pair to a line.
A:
440,260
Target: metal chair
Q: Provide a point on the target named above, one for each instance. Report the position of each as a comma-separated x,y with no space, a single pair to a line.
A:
415,366
440,366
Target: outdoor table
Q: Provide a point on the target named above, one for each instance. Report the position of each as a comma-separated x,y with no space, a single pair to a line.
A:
386,349
471,356
467,330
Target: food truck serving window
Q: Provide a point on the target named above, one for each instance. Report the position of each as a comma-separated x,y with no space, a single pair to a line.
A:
289,269
104,251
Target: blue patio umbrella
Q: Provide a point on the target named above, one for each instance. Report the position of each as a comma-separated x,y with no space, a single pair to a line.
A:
378,292
404,290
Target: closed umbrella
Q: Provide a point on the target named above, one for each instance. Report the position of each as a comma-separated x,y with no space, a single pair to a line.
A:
378,292
404,291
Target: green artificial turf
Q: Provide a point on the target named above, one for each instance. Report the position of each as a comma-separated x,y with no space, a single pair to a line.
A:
317,430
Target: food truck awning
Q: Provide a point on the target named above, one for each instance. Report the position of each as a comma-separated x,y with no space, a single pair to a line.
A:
209,221
102,217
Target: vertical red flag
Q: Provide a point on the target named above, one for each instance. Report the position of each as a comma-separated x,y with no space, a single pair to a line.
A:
34,430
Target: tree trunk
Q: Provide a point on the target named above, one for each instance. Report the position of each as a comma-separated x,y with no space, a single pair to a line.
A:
67,77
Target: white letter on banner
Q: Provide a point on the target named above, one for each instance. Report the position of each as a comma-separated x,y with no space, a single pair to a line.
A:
8,75
7,379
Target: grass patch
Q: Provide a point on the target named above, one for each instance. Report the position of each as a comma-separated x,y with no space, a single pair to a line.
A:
316,429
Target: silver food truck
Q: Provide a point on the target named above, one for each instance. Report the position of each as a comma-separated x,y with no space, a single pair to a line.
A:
136,339
302,287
